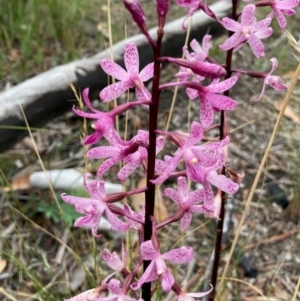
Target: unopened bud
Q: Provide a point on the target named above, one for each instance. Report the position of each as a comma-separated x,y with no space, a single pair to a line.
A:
162,7
136,10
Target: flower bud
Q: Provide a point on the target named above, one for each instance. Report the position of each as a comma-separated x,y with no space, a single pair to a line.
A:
136,10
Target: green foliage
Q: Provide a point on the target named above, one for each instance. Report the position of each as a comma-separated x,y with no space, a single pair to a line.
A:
37,35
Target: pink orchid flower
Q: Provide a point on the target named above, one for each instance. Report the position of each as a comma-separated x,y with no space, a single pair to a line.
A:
186,201
281,8
95,206
132,153
104,125
199,54
202,163
157,268
272,80
247,31
113,260
209,100
116,293
130,79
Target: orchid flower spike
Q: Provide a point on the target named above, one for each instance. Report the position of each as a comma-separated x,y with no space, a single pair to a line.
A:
131,78
272,80
247,31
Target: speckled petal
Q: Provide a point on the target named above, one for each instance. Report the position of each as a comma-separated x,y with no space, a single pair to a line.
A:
114,70
114,91
231,25
167,281
147,72
221,102
106,165
131,59
128,169
248,15
181,255
182,187
224,85
257,46
148,252
114,286
231,42
206,113
115,222
102,152
196,134
149,275
185,221
173,195
222,182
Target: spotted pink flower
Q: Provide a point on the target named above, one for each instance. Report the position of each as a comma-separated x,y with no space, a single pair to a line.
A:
157,268
131,78
188,201
94,207
281,8
247,31
272,80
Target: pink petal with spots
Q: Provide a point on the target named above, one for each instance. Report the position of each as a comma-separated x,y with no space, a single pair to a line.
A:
131,58
93,138
172,164
145,95
147,72
231,42
94,187
181,255
182,186
209,196
222,182
221,102
114,286
114,70
231,25
103,152
224,85
257,46
113,91
196,134
167,281
106,165
262,24
127,170
248,15
148,252
112,260
172,194
264,33
149,275
115,222
206,113
185,221
192,93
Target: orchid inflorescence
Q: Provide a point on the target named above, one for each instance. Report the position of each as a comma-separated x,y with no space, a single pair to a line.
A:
204,159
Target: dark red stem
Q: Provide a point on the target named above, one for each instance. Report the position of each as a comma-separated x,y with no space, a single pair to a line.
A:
150,193
223,134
